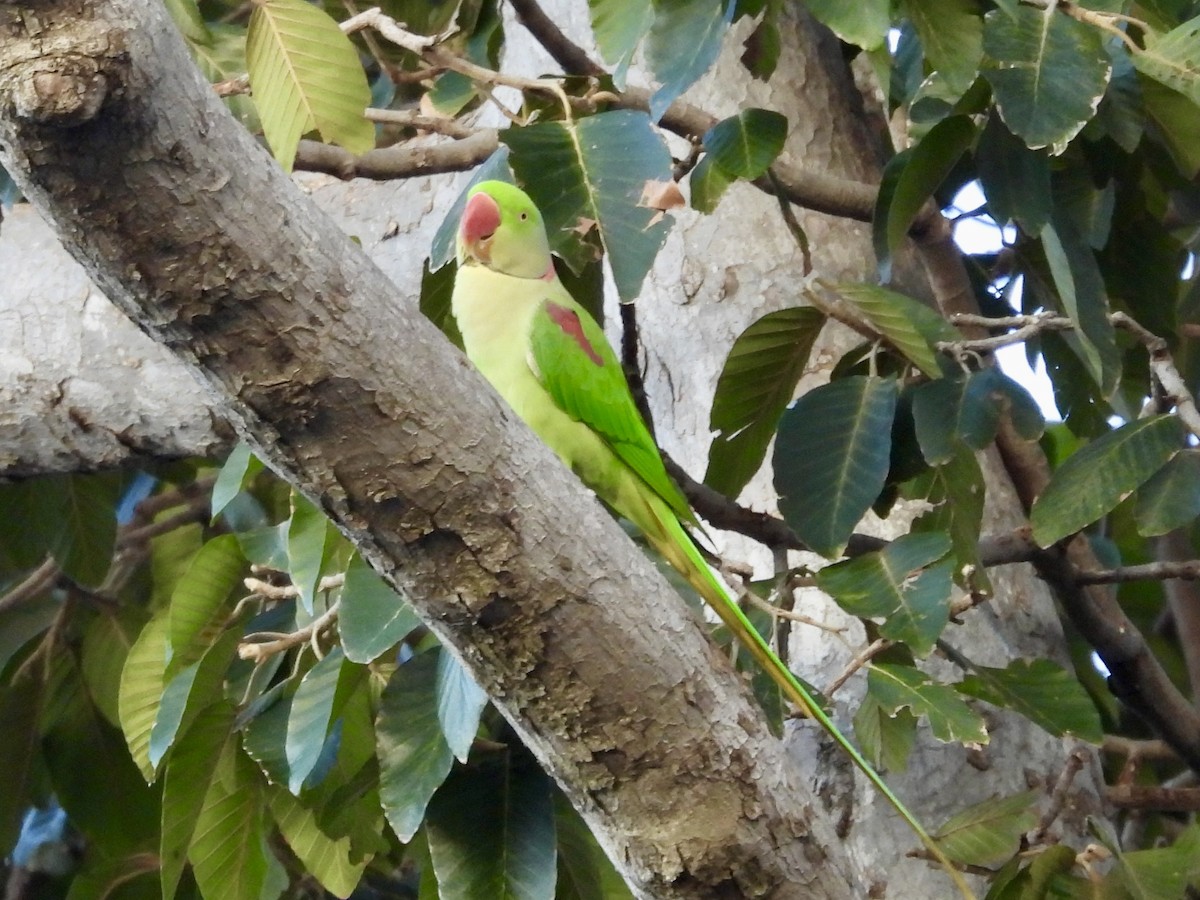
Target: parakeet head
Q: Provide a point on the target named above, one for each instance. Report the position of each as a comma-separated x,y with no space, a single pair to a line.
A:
502,229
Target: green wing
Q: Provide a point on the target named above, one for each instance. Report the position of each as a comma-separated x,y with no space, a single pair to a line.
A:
579,370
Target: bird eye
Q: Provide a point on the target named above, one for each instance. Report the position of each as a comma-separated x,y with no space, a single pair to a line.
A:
524,216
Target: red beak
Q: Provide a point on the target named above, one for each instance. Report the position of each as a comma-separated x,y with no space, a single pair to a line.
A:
480,219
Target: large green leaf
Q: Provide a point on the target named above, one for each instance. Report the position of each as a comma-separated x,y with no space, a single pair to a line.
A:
239,469
200,596
141,690
864,24
309,719
1047,71
708,182
966,410
460,703
1173,58
898,687
909,325
372,618
305,75
1080,286
1098,477
682,45
745,145
756,384
229,851
306,543
988,833
328,860
958,492
106,643
414,757
190,690
584,870
619,26
1044,693
1171,498
952,37
1178,121
591,174
69,517
886,739
909,181
831,458
1160,874
186,780
1015,179
20,706
491,833
908,583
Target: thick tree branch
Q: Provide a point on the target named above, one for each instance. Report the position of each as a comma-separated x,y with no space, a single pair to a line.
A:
502,552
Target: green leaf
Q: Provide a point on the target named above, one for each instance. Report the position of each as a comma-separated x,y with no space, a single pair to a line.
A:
460,703
1015,179
186,779
988,833
1100,475
966,410
618,27
745,145
886,740
958,493
952,36
1173,59
909,181
141,690
106,644
590,175
437,290
1044,693
708,183
239,469
307,533
1170,499
305,75
831,458
756,384
372,618
414,757
491,833
863,24
683,43
904,582
1178,124
1160,874
584,870
898,687
199,597
20,706
1080,287
264,736
329,861
1047,71
909,325
190,690
309,718
229,852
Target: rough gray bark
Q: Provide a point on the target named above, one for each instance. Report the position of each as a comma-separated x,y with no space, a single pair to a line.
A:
350,394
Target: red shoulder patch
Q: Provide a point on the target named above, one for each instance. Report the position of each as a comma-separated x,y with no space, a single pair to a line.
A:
568,320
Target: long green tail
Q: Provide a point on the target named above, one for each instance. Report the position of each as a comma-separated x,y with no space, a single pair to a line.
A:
702,578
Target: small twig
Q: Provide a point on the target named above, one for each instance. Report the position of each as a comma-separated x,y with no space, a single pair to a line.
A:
1152,797
448,127
1023,328
259,646
1075,762
130,537
33,585
1142,749
863,657
573,59
792,223
288,591
1188,570
1163,368
789,615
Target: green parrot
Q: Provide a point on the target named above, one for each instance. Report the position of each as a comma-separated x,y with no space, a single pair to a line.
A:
549,359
